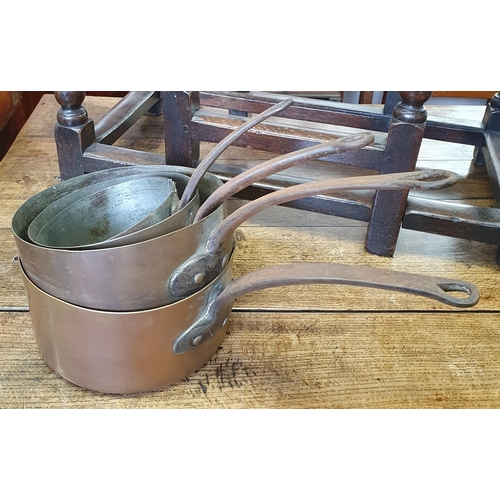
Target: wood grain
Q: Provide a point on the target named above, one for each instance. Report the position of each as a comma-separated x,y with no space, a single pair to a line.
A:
290,360
292,347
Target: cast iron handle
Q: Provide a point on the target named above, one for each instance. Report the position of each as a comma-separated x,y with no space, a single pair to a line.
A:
263,170
219,308
422,179
208,161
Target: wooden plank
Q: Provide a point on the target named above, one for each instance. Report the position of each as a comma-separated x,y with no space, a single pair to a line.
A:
122,116
340,114
260,246
281,138
289,360
478,223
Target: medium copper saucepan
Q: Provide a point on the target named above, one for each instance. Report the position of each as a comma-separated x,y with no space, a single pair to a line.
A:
62,272
162,270
134,274
128,352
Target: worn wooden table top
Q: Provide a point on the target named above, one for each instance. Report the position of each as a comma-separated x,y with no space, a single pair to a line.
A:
293,347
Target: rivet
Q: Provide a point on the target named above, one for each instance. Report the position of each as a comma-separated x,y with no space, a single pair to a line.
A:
224,260
197,340
198,279
15,258
224,323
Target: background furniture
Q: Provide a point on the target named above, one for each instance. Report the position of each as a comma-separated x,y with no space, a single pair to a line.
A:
400,125
17,106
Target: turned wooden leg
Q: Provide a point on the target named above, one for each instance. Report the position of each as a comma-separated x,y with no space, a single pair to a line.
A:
401,152
74,133
181,148
487,154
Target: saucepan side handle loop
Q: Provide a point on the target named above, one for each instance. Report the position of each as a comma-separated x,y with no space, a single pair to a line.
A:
217,311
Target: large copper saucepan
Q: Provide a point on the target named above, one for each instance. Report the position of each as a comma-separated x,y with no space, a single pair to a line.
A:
129,352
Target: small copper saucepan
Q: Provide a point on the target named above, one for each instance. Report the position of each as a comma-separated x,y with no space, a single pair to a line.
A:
99,219
129,352
104,211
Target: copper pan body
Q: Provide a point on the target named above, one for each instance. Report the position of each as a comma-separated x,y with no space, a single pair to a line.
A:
124,278
129,352
155,224
108,213
119,352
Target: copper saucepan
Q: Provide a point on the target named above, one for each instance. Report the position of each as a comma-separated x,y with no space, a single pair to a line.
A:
104,213
42,207
101,218
128,352
162,270
62,272
125,277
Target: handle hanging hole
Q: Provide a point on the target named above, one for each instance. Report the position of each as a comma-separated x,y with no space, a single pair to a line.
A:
458,288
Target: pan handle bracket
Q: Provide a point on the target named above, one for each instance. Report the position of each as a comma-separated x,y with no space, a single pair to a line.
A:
209,323
197,272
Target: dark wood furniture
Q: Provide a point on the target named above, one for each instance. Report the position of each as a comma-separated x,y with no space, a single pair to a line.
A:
12,118
400,126
17,106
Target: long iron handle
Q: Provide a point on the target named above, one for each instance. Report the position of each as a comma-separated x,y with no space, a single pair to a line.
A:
263,170
208,161
203,267
218,310
422,179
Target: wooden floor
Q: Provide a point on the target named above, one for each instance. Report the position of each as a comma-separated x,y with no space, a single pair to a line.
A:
294,347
